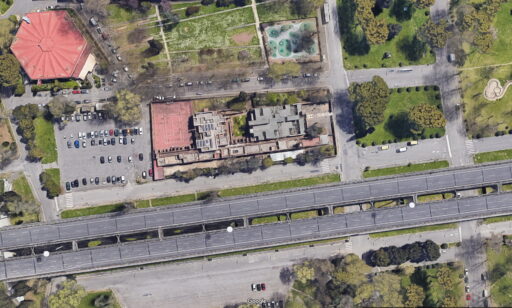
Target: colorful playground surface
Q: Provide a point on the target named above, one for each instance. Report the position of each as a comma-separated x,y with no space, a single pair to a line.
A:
285,40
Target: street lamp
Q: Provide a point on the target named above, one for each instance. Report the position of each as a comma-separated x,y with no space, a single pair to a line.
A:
229,229
46,253
412,205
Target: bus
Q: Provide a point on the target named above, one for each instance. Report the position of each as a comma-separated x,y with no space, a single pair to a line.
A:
326,13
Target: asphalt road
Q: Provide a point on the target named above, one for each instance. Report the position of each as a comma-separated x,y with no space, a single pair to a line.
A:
27,235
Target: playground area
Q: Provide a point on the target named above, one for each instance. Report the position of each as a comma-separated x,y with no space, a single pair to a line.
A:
293,40
494,91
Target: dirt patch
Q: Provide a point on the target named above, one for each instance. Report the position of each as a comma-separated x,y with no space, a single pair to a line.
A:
5,134
243,38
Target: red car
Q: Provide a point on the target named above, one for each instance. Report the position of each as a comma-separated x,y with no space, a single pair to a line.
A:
111,132
150,172
468,297
76,92
263,287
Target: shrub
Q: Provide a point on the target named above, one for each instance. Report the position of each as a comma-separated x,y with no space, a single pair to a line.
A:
426,88
191,10
444,246
399,90
408,89
267,163
418,89
207,2
288,160
438,96
5,144
373,143
363,145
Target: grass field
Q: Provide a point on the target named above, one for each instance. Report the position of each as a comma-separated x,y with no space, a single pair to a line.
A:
6,27
102,209
88,300
406,169
215,31
492,156
180,9
492,220
385,203
374,58
22,188
267,219
4,6
499,262
399,104
304,215
118,14
45,140
323,179
414,230
240,125
436,197
506,187
277,11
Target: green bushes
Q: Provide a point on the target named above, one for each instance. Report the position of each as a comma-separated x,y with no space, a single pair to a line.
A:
59,85
416,252
50,180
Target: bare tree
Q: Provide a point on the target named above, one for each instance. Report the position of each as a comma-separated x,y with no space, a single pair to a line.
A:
98,7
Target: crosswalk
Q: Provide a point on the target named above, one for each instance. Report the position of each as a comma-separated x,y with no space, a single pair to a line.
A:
348,246
470,147
69,199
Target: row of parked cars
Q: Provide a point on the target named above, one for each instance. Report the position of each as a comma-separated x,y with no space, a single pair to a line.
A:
109,179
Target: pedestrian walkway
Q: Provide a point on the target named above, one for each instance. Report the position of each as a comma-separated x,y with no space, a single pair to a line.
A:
69,199
470,147
325,166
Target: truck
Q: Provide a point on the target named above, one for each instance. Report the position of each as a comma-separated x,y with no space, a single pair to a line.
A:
326,13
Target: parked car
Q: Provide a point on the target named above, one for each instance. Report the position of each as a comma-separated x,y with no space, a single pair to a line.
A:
76,183
140,131
110,159
122,179
125,141
84,181
93,142
102,159
113,141
125,68
258,287
69,144
141,157
253,287
119,158
118,57
68,186
129,159
144,175
132,140
84,91
401,150
108,179
77,144
97,181
84,144
76,92
114,179
263,287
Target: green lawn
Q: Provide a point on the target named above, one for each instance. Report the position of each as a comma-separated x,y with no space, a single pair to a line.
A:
399,104
88,300
500,50
385,203
6,26
267,219
45,140
277,11
491,220
95,210
203,9
22,188
215,31
374,58
499,262
173,200
506,187
492,156
54,174
142,204
118,14
406,169
304,215
2,186
317,180
339,210
436,197
414,230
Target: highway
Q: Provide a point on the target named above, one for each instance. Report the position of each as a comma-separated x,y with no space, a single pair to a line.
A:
255,206
215,242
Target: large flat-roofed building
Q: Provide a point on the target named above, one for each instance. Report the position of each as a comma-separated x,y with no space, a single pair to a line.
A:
210,131
170,126
267,123
49,46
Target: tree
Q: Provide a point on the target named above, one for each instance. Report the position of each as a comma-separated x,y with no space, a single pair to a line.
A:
68,295
28,111
304,272
126,108
407,270
425,116
137,35
415,49
286,275
276,71
371,99
444,277
431,250
396,255
375,30
314,131
403,10
191,10
380,258
50,183
10,72
483,41
393,30
423,4
170,20
97,7
387,285
434,34
267,163
60,105
351,270
104,301
155,47
305,40
305,8
414,252
414,296
363,293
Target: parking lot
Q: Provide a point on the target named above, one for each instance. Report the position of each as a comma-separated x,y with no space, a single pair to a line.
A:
84,164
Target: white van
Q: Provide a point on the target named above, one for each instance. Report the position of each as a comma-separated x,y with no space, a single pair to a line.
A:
401,150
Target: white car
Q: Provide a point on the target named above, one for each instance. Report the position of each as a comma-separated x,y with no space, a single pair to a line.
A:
140,131
122,179
129,159
401,150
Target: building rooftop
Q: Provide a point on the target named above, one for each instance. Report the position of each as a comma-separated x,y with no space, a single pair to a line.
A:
170,126
210,131
49,46
276,122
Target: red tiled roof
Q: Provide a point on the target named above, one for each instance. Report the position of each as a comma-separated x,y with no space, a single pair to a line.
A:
170,125
50,46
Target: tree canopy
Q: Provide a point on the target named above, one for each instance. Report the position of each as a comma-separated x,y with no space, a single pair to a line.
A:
434,34
371,99
10,72
425,116
60,105
375,30
126,108
69,295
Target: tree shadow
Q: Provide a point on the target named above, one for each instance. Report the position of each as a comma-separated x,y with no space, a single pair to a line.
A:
399,125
